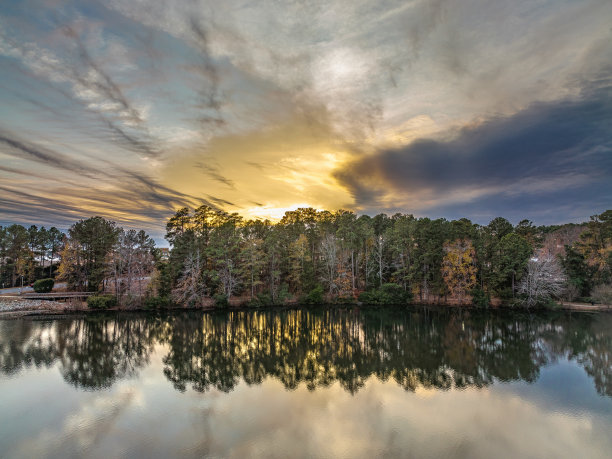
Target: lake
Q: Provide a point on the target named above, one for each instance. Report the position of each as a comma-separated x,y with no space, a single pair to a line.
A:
354,382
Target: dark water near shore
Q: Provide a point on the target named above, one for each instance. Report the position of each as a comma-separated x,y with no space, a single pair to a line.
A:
308,383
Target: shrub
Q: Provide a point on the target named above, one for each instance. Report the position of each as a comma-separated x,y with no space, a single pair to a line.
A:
157,302
315,296
480,298
101,301
386,294
43,285
221,300
602,294
283,294
262,299
344,300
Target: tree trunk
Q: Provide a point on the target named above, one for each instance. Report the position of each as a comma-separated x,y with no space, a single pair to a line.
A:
353,268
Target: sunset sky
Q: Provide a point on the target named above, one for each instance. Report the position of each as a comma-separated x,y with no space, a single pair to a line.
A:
130,109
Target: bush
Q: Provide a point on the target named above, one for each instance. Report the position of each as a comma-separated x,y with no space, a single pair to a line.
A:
480,298
262,299
157,302
43,285
602,294
315,296
283,294
221,300
386,294
101,301
344,300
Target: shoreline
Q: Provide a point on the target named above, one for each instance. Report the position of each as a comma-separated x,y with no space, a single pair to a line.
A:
16,308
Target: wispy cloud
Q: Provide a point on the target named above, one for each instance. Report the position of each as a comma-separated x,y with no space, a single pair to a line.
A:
213,172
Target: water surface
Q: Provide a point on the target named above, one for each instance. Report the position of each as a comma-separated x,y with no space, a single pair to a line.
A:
308,383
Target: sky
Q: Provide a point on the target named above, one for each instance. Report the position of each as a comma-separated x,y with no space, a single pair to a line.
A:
131,109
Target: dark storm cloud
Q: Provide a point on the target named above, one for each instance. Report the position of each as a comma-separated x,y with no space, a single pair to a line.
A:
541,151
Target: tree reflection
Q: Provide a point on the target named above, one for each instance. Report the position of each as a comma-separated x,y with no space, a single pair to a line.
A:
430,348
91,353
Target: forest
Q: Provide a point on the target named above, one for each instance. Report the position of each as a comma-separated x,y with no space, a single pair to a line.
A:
319,257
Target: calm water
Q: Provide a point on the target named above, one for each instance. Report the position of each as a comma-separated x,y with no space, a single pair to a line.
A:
329,383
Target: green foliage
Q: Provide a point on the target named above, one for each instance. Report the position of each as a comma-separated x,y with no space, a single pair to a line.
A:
283,294
314,297
101,301
345,300
43,285
596,246
84,259
511,260
265,298
261,299
157,302
386,294
550,304
480,298
221,300
579,273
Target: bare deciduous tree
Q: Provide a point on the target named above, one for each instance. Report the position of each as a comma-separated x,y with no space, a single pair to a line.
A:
544,280
229,276
329,250
380,245
132,263
190,288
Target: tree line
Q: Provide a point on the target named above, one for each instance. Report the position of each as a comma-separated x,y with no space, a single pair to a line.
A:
27,254
321,256
313,256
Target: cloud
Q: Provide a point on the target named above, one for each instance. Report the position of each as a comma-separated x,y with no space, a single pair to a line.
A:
125,195
14,146
213,172
541,151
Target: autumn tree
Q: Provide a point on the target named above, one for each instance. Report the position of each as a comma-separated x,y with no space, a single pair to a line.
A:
458,269
596,245
72,265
